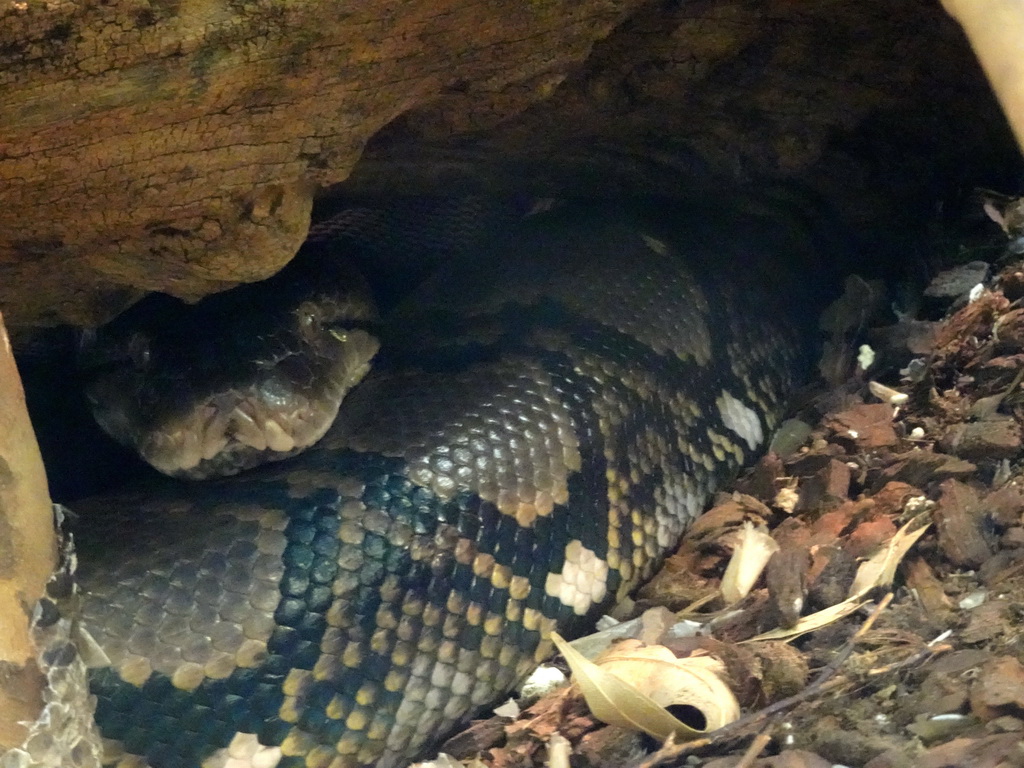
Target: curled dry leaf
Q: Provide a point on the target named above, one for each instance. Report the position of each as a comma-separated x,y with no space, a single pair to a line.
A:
634,685
754,548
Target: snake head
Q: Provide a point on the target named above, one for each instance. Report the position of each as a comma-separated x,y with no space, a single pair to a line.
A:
240,378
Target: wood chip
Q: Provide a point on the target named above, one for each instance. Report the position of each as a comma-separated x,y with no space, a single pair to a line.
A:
1006,505
922,579
791,758
833,571
974,319
869,536
833,525
996,437
827,487
868,425
1008,331
893,496
960,523
610,747
786,579
762,481
726,516
999,689
955,282
784,669
999,370
921,469
988,621
987,752
941,692
480,736
908,337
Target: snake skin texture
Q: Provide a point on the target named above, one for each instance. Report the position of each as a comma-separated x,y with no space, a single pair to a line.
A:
543,423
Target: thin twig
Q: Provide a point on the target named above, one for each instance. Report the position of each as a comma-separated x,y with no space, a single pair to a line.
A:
756,748
929,651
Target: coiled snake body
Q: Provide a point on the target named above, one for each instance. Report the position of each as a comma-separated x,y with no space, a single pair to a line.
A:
542,424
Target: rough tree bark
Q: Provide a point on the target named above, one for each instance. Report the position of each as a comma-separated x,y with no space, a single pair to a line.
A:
174,144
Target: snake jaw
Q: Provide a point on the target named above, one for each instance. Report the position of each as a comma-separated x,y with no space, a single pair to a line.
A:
195,405
269,420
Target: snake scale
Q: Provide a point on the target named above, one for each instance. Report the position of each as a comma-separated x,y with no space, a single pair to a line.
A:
544,420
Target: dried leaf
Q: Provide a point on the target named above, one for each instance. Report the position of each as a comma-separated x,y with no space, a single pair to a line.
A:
880,569
815,621
876,572
668,681
754,548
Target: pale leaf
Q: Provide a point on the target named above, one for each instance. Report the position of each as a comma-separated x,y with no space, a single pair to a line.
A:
810,623
695,680
880,569
616,702
751,554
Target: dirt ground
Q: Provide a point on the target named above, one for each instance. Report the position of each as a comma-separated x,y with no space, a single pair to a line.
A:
925,671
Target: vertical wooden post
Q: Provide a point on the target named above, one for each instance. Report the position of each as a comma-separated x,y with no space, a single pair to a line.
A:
27,553
995,29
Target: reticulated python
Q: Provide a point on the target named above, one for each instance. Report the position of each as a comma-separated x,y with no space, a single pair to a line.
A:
544,420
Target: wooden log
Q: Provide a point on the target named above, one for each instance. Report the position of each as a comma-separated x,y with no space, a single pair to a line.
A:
175,146
995,29
27,553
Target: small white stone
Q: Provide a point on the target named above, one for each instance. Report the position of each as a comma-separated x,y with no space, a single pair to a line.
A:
508,709
865,357
973,600
543,680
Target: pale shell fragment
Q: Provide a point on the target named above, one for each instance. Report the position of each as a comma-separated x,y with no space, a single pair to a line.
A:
753,550
865,357
888,394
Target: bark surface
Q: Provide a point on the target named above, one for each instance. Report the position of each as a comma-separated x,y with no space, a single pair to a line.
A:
174,145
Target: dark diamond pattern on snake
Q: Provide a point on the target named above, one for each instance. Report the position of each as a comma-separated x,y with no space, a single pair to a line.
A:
546,414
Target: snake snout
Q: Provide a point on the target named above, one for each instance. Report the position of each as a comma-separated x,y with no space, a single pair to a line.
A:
268,385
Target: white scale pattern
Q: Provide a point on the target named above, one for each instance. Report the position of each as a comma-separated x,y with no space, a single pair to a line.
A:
741,419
